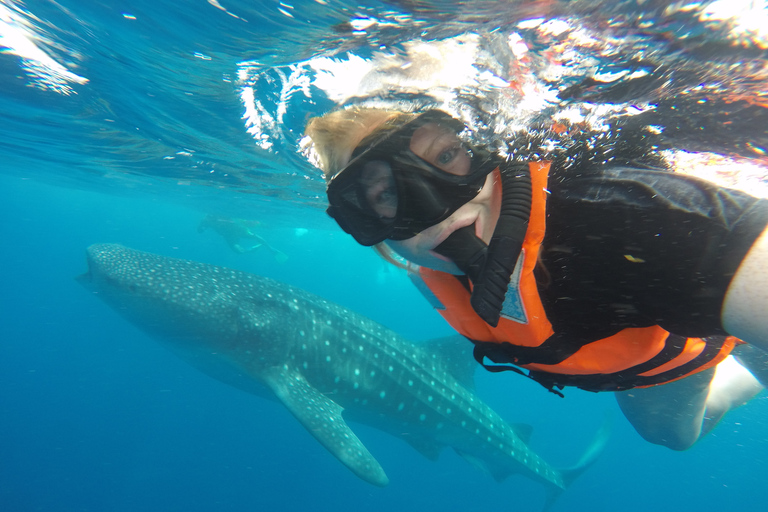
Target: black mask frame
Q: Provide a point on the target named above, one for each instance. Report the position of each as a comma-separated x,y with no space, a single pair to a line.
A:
426,194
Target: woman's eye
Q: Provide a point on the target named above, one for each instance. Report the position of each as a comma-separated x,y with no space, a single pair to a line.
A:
446,156
387,197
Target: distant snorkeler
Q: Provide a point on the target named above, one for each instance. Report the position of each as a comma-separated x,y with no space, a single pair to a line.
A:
637,281
235,230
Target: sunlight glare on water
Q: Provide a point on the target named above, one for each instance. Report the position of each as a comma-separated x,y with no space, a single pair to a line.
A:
252,77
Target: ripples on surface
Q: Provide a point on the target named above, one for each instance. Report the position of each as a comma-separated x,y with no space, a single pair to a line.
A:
218,93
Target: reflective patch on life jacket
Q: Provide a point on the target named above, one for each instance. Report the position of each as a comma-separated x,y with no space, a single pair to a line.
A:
513,307
428,294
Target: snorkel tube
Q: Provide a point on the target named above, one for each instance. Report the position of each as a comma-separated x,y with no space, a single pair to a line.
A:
489,267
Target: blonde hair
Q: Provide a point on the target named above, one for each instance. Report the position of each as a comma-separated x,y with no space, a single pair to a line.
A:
336,135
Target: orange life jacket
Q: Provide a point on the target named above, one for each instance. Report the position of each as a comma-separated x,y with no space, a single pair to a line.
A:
633,357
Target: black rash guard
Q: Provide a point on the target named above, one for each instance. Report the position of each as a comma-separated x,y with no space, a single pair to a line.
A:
635,247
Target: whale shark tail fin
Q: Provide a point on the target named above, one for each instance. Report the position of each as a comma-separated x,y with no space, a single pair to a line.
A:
593,451
590,455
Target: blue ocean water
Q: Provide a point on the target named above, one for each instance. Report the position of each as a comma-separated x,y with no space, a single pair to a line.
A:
96,416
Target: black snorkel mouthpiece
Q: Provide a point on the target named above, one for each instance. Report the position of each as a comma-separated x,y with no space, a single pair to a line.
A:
465,250
490,268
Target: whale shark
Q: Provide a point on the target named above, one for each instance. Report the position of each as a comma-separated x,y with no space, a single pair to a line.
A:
326,364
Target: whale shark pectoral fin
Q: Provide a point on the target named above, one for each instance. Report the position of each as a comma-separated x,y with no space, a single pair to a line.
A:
321,416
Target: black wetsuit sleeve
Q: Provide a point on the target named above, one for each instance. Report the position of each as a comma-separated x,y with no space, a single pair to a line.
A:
635,247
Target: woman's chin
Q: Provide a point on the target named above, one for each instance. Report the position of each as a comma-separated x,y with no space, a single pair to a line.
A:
423,258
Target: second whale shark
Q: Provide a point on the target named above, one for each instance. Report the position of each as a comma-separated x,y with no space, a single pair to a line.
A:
323,362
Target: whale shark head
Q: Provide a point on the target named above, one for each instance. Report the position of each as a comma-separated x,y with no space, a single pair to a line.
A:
118,271
188,303
145,290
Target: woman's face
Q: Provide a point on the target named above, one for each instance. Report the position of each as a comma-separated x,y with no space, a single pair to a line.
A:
434,143
441,147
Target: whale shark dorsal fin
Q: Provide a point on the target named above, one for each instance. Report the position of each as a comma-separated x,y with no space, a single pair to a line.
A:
524,431
321,416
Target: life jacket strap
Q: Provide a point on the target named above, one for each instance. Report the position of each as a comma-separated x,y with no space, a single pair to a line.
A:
715,349
479,355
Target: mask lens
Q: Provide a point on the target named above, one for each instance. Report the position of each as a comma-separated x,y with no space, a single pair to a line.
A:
438,144
378,187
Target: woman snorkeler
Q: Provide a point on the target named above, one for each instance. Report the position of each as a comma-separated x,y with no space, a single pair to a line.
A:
636,281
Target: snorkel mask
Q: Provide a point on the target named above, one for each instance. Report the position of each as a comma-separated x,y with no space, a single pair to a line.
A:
387,191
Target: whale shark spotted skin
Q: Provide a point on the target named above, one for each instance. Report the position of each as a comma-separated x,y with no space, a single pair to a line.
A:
324,363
